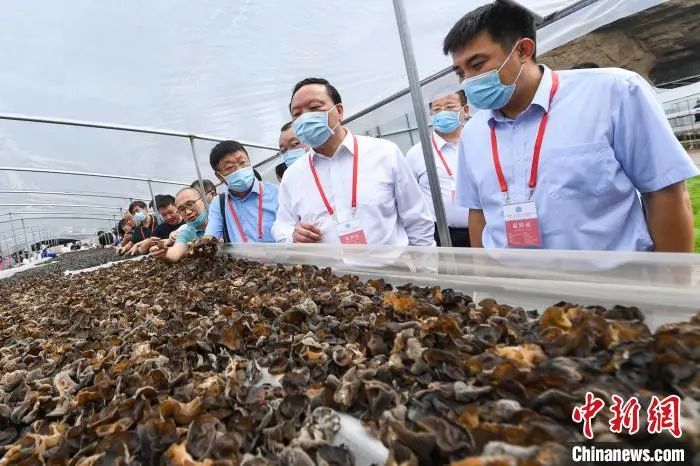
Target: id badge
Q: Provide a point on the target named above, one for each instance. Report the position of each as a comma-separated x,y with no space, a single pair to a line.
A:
522,228
351,231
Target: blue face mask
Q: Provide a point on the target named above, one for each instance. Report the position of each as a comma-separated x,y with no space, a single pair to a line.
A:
446,122
241,180
139,217
312,128
197,222
292,155
487,92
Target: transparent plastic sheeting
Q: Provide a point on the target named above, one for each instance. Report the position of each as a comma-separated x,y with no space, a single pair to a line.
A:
214,67
666,287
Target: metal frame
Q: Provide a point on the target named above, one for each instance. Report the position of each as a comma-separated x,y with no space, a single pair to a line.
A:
95,175
444,72
62,205
422,120
44,212
69,193
53,216
44,216
126,128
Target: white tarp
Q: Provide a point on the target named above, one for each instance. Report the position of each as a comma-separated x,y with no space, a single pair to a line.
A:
215,67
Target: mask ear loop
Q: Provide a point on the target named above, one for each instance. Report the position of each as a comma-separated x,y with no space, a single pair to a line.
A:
327,114
519,73
509,55
222,177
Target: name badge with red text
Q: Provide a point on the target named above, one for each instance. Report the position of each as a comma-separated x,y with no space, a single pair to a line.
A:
522,228
351,232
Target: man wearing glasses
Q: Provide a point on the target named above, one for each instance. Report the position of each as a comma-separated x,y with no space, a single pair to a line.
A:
191,207
448,114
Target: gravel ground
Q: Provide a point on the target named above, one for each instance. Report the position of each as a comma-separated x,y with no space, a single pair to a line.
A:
75,260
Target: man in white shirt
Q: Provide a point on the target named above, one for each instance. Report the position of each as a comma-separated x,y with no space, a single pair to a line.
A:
348,189
448,114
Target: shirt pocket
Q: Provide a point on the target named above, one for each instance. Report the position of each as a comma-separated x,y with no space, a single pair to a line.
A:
577,171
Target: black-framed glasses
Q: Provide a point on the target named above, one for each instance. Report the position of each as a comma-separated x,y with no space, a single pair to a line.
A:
189,205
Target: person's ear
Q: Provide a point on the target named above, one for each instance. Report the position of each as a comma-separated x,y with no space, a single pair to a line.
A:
339,108
526,49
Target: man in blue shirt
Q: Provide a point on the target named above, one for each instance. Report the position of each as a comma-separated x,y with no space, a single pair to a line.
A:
245,213
557,159
191,207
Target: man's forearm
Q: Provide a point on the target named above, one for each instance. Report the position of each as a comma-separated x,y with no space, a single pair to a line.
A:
670,219
175,253
477,223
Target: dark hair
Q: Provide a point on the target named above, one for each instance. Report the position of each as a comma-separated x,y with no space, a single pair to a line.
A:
280,168
505,23
460,93
209,187
584,65
332,91
286,126
164,200
222,149
136,204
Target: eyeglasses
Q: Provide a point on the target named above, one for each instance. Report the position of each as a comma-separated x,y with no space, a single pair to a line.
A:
448,108
189,205
226,171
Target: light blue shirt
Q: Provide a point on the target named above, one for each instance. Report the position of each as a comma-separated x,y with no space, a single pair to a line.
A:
606,141
189,234
247,211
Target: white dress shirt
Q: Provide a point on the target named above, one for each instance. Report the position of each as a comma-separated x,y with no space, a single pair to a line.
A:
390,205
456,215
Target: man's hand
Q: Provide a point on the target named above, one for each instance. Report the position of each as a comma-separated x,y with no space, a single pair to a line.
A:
134,249
158,252
173,236
306,233
145,245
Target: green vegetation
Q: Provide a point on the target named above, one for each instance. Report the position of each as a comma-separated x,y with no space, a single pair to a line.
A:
694,188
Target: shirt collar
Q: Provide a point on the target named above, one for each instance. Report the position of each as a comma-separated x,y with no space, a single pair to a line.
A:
439,141
254,190
541,98
346,144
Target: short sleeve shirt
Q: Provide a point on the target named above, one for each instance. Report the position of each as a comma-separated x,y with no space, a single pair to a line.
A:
141,232
189,234
607,140
164,229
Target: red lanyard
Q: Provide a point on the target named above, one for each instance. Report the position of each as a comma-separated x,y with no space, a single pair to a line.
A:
439,153
260,216
330,210
538,145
